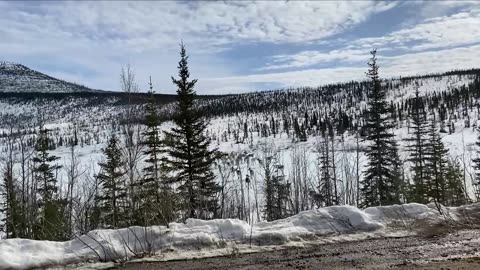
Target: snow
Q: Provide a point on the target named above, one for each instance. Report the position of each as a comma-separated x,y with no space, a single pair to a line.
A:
324,221
405,211
18,78
94,123
344,222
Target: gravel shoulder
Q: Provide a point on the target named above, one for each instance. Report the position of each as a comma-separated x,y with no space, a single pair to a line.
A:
460,250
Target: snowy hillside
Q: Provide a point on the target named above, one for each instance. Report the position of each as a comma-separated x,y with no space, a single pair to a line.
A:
284,124
245,134
263,135
18,78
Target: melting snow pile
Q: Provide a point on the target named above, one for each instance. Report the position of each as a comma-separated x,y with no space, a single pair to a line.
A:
110,245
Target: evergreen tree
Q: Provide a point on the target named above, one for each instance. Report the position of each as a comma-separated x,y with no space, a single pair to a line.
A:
11,208
156,201
51,222
269,189
417,148
188,149
381,174
327,189
436,157
282,192
444,178
11,205
476,162
455,195
113,193
299,131
276,190
245,130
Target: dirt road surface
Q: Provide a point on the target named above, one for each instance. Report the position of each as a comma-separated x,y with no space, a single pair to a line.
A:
460,250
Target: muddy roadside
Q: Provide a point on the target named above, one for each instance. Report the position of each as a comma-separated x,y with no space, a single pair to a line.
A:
460,250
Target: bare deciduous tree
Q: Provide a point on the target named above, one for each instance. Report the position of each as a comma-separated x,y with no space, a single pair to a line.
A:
133,147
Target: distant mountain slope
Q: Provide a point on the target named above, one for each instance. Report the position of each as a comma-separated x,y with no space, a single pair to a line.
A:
20,79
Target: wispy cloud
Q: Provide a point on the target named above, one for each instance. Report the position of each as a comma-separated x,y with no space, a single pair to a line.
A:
100,36
417,63
146,25
302,42
459,29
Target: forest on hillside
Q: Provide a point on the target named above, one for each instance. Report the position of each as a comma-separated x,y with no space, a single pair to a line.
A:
150,176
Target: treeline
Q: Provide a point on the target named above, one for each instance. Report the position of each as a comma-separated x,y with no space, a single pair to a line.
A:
81,107
306,112
96,97
303,111
344,95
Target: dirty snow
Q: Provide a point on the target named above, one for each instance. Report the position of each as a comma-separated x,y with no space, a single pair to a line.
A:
345,222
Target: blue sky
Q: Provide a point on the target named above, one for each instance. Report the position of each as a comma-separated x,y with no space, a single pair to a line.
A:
238,46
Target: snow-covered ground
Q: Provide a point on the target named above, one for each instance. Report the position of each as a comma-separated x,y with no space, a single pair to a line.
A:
199,238
94,125
336,223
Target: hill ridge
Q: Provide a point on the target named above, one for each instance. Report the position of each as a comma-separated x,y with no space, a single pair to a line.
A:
15,77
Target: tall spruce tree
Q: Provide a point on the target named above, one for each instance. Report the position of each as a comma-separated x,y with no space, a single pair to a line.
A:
188,149
50,223
269,212
436,156
382,176
325,163
113,192
276,189
444,185
156,200
418,144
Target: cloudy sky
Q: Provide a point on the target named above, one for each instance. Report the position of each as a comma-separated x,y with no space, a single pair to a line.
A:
238,46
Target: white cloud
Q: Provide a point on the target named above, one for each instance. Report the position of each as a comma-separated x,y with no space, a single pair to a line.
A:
101,36
456,30
92,39
403,65
309,58
310,77
459,29
144,25
432,61
431,9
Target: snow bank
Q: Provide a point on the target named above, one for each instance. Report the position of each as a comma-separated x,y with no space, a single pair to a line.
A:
385,214
466,213
321,222
110,245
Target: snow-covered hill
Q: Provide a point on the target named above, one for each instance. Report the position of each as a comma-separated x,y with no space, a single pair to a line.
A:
19,78
263,134
259,128
243,124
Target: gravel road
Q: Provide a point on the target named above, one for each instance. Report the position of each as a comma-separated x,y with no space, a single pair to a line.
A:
460,250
